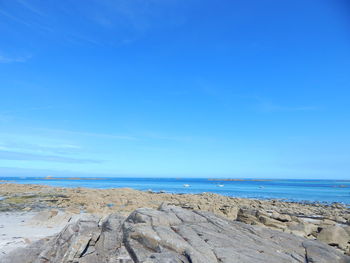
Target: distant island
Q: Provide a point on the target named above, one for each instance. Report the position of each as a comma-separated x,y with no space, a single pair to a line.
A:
71,178
227,179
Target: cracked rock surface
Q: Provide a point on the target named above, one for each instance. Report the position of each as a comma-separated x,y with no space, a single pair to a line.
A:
172,234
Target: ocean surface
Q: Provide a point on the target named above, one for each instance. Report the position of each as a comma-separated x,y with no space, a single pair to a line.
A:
291,190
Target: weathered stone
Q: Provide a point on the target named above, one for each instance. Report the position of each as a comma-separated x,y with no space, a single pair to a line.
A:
281,217
270,222
229,211
172,235
248,216
334,236
347,218
327,222
316,253
339,219
347,229
303,229
295,219
73,242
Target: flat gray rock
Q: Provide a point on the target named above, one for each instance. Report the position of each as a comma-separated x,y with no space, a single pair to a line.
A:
172,234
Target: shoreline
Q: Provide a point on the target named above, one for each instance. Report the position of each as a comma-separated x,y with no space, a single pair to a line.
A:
7,189
251,193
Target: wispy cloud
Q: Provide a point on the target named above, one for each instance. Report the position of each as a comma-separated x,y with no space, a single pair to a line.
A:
158,136
267,105
40,148
91,134
140,14
28,22
29,6
121,21
260,103
270,107
21,156
40,172
19,59
11,115
5,117
36,108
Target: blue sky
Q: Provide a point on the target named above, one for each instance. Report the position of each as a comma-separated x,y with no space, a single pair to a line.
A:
175,88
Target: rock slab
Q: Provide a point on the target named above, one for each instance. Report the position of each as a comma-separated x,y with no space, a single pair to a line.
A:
172,234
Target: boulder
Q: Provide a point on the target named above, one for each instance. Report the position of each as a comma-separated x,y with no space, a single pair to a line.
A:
295,219
334,236
74,242
270,222
316,253
347,229
281,217
327,222
248,216
347,218
339,219
172,235
229,211
302,229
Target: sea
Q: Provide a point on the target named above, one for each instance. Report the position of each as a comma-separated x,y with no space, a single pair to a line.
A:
306,191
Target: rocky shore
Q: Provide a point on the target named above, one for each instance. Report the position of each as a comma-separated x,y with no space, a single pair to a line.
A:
172,234
327,224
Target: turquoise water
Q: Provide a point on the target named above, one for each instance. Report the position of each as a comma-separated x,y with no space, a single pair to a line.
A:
292,190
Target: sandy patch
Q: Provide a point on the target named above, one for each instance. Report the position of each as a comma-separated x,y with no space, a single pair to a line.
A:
18,229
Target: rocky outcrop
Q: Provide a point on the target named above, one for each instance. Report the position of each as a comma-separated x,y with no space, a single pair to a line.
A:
325,230
172,234
87,239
